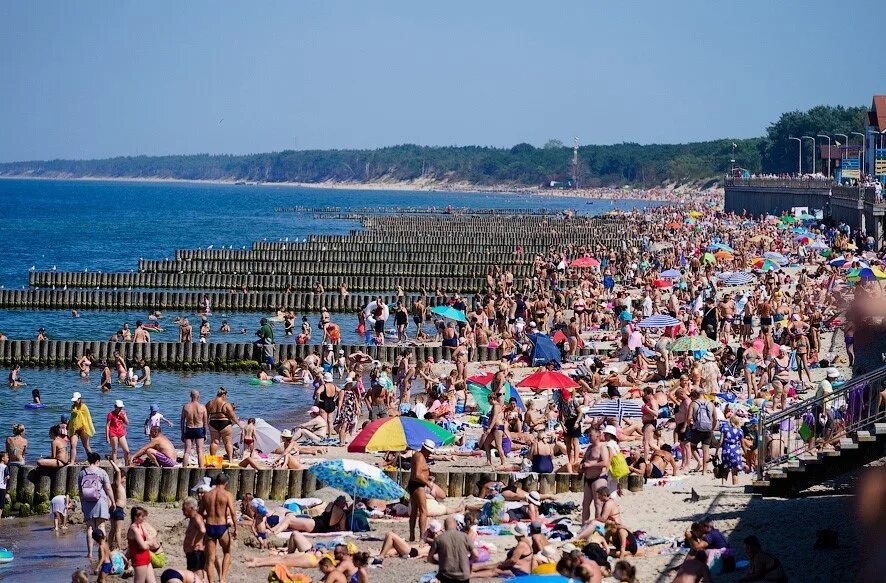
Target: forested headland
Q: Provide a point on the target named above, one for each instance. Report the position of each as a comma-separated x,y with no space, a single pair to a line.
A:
519,166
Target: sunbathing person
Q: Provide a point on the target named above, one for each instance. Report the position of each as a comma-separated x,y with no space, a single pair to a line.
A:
657,466
333,519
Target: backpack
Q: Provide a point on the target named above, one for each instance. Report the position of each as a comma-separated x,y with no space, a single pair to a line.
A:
90,486
702,419
570,410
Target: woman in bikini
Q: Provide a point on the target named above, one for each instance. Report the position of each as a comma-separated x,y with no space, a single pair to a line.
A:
84,363
141,544
222,418
59,456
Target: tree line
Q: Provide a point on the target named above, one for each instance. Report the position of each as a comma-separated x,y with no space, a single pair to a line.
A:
521,165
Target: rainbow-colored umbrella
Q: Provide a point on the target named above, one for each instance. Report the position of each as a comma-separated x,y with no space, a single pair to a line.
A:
866,274
481,395
398,434
765,264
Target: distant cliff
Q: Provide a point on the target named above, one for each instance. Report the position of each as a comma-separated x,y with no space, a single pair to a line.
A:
522,165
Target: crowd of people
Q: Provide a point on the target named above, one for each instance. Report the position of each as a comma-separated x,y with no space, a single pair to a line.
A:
749,310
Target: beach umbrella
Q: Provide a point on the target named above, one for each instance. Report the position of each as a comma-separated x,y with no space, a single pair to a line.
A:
481,379
690,221
559,337
661,283
775,256
481,395
866,274
450,313
618,408
765,264
782,226
398,434
788,219
736,278
806,217
267,437
626,316
723,255
720,247
695,214
800,231
693,344
673,225
658,321
803,239
547,379
357,478
585,262
671,274
818,245
708,258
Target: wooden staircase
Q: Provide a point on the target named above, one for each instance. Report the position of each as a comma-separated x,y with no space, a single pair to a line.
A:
858,448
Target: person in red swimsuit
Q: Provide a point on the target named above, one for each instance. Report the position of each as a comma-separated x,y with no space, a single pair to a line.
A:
115,431
141,542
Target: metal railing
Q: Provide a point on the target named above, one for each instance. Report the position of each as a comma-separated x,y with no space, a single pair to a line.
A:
819,422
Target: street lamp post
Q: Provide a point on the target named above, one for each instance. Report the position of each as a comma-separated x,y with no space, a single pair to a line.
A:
813,151
799,156
829,151
863,146
844,149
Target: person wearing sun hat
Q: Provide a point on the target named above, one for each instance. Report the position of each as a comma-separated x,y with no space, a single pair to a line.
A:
79,425
115,431
519,559
419,478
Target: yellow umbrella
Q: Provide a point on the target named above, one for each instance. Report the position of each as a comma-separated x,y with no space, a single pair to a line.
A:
695,214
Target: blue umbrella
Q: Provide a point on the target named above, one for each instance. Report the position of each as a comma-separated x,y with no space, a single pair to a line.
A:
449,312
358,479
671,274
658,321
720,247
736,278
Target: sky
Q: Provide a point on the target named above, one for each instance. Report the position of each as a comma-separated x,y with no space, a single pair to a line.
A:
106,78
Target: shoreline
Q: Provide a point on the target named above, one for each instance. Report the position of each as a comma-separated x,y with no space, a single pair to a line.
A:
598,193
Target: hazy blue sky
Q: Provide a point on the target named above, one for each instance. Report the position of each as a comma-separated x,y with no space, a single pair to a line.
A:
95,79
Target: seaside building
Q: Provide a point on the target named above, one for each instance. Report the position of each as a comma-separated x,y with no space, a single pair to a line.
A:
875,139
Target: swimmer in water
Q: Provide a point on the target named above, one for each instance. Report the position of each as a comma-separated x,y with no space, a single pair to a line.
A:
35,397
75,314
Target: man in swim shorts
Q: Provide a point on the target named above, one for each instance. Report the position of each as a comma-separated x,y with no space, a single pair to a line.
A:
221,525
194,423
159,450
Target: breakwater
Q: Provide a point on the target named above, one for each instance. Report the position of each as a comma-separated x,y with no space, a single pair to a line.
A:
31,488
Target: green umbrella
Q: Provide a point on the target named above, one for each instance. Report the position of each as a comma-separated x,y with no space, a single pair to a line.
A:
709,258
788,219
481,395
693,344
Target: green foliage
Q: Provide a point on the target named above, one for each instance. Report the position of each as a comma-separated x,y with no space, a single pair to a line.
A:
779,152
521,165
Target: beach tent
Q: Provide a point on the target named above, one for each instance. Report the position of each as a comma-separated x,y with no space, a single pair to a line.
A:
543,351
267,437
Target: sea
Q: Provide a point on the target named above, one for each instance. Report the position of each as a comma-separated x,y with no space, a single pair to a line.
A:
72,225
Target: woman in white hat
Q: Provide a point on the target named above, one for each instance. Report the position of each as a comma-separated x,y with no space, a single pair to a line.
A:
115,431
79,425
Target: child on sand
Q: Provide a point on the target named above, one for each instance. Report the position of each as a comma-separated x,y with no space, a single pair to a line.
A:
249,438
260,527
104,566
59,507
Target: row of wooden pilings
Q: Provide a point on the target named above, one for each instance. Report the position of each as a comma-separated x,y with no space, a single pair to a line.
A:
480,255
211,355
235,301
338,267
31,488
255,281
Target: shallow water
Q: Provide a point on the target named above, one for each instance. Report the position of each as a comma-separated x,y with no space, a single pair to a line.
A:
100,325
279,404
38,549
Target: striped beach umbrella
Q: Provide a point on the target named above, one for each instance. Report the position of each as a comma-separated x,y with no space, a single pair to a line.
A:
398,434
735,278
618,408
658,321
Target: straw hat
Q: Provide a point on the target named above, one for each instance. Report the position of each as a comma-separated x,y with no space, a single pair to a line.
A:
429,446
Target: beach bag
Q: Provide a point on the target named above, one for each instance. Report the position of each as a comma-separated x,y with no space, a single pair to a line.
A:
805,432
90,486
618,466
158,560
702,419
